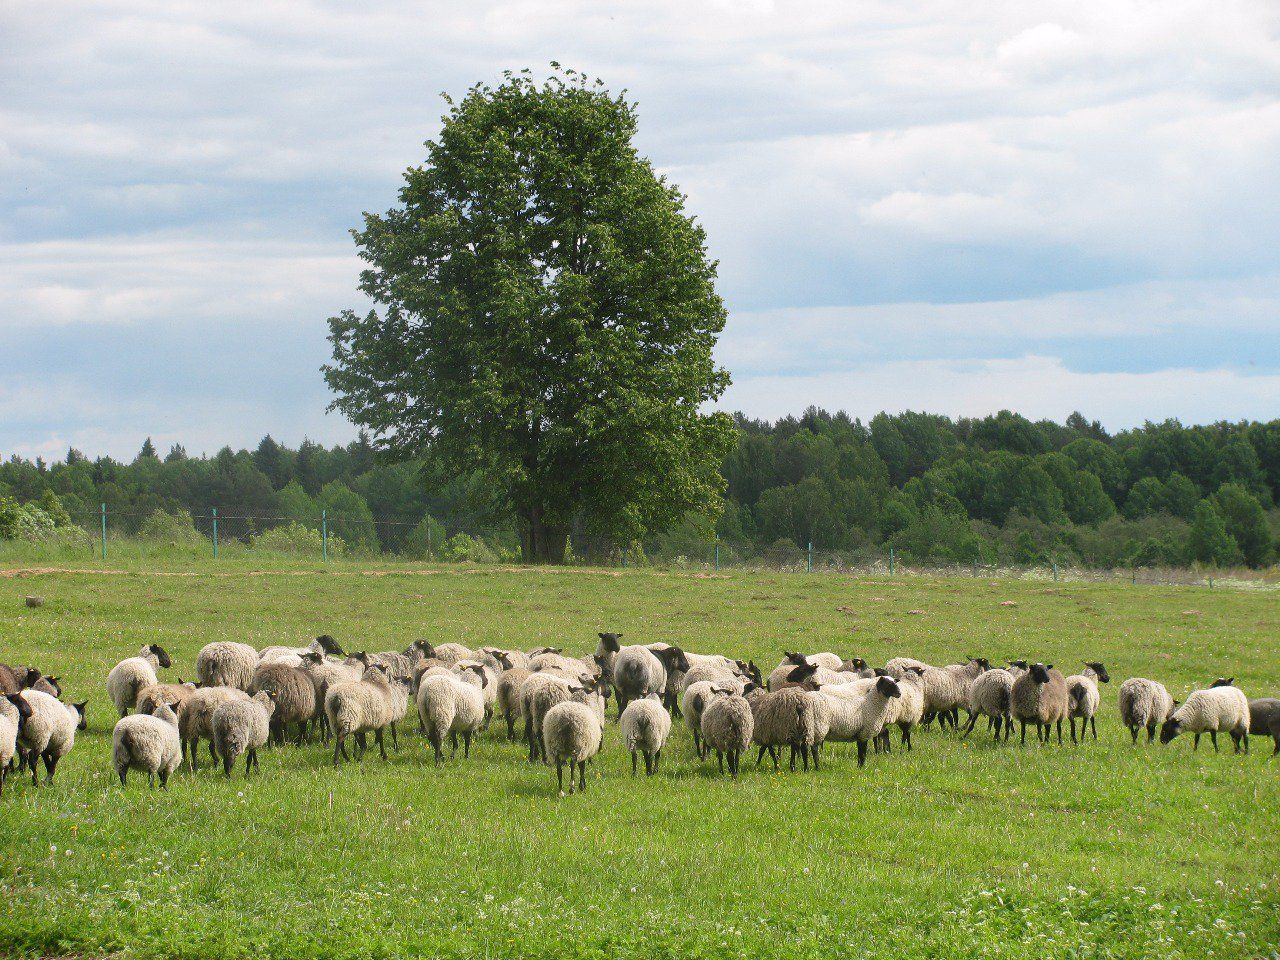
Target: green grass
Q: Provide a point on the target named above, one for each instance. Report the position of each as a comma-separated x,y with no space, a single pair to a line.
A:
955,850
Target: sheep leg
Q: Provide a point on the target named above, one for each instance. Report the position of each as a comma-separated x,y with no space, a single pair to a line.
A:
1093,723
1073,729
248,763
50,765
972,721
633,763
560,776
720,760
488,716
1060,732
338,750
571,772
1196,745
164,780
466,745
511,728
862,753
649,765
582,776
816,749
362,744
906,737
1151,733
395,739
1024,731
1244,738
436,746
1213,738
227,763
382,747
453,743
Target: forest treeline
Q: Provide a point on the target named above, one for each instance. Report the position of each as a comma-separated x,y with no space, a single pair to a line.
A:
999,489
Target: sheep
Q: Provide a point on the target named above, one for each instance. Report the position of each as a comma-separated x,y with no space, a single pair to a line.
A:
819,676
1144,703
294,694
640,671
946,690
359,707
489,690
899,664
173,694
908,710
644,727
574,731
540,692
9,682
225,663
990,696
1082,693
35,680
788,718
129,676
15,713
696,697
1039,696
450,653
832,661
508,696
1017,667
49,732
452,703
241,727
704,673
727,727
1264,719
324,645
859,713
553,660
402,666
1210,711
507,659
147,741
195,719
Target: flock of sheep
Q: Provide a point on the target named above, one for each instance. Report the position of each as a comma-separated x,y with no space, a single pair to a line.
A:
245,698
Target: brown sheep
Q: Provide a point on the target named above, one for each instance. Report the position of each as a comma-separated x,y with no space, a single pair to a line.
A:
294,694
1039,696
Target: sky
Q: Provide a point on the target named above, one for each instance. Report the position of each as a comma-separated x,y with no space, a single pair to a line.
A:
952,207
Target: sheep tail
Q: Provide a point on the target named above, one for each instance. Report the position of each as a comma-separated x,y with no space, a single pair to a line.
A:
1077,693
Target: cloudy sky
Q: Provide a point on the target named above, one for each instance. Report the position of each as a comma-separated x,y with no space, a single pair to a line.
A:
955,207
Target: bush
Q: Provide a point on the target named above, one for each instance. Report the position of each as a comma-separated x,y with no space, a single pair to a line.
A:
461,547
297,540
172,528
425,541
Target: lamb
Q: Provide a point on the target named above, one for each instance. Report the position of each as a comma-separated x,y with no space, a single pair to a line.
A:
15,713
859,713
574,731
225,663
639,672
324,645
508,696
1144,703
241,727
1210,711
452,703
49,732
173,694
292,691
727,727
1264,719
644,727
1082,693
149,742
358,707
788,718
1039,696
195,719
991,696
129,676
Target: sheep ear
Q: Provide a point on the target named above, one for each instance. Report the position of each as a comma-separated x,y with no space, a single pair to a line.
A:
1048,666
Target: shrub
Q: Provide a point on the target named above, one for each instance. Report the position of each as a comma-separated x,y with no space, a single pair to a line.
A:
297,540
172,528
461,547
426,540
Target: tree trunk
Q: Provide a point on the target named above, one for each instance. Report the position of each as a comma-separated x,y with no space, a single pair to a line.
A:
542,542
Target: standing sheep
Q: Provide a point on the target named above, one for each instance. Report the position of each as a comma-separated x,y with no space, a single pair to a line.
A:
225,663
644,727
452,703
787,718
195,719
1082,693
727,727
241,727
147,742
129,676
1264,719
293,693
357,708
49,732
573,731
1039,696
14,713
991,696
1144,703
174,694
1209,711
324,645
860,712
509,685
639,672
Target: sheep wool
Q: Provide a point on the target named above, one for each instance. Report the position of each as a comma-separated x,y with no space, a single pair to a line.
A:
572,732
450,704
859,713
508,696
225,663
990,695
128,677
147,742
240,727
14,712
357,708
727,726
174,694
1264,719
293,693
1039,696
788,718
1212,711
195,719
540,692
49,732
1083,698
1144,703
645,726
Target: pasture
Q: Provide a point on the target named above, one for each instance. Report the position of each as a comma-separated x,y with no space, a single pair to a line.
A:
955,849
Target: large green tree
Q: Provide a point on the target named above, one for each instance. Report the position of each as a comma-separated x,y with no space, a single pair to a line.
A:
548,313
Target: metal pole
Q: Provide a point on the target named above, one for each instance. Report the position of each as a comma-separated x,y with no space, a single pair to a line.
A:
104,531
324,535
624,558
1055,570
809,563
891,561
717,554
1211,583
975,566
215,533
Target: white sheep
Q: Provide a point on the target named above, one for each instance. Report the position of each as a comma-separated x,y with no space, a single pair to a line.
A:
1144,703
452,703
727,726
195,719
147,742
1083,698
645,726
1211,711
132,674
49,732
990,695
357,708
860,711
573,731
14,711
241,727
225,663
324,645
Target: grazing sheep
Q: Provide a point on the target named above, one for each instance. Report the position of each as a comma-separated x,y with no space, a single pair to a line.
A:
644,727
324,645
991,696
149,742
195,719
508,696
556,662
452,703
49,733
35,680
14,714
241,727
1083,697
1017,667
1144,703
174,694
727,727
860,712
1039,696
292,691
573,731
225,663
359,707
507,659
1224,708
129,676
1264,719
788,718
639,672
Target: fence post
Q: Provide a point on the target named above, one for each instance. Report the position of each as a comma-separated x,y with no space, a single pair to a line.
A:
1211,583
891,561
104,531
975,566
809,563
717,553
624,558
1055,570
324,535
1133,576
430,555
215,533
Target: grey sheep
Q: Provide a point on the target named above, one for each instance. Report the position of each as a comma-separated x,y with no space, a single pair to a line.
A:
543,690
174,694
324,645
946,690
1264,719
195,719
787,718
400,666
573,731
645,726
225,663
1218,709
294,694
991,696
49,733
240,727
1083,698
147,742
452,703
1144,703
1039,696
508,696
727,728
357,708
639,672
325,673
129,676
860,712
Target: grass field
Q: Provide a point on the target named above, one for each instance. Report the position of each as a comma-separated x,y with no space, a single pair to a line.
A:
955,850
